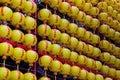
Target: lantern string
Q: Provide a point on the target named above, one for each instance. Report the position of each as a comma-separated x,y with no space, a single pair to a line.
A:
17,66
45,73
55,77
4,62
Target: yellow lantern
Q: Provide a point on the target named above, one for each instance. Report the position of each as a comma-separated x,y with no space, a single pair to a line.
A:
18,4
89,50
18,54
6,49
81,46
64,24
45,61
112,72
118,9
82,60
55,49
102,5
99,77
55,3
44,78
114,14
30,40
44,14
118,74
94,11
112,59
73,56
80,33
4,11
73,12
17,36
30,7
31,57
79,3
88,20
17,19
103,16
111,33
54,20
87,7
54,35
110,10
44,30
91,76
44,45
108,79
94,2
115,24
5,31
118,17
30,76
29,23
96,52
109,21
16,75
104,29
83,74
73,43
88,36
95,39
116,36
104,44
112,3
105,69
95,23
116,51
81,16
105,56
90,63
64,7
98,65
111,48
65,53
75,70
5,1
117,63
64,38
65,70
5,73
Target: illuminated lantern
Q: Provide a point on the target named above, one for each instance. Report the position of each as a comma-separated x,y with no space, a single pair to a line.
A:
30,76
109,21
73,56
114,14
117,63
31,57
103,16
75,70
64,23
87,7
18,54
65,53
73,12
30,40
18,4
82,60
73,43
16,75
94,11
55,3
98,65
105,56
90,63
65,70
96,52
91,76
64,38
116,36
115,24
105,69
102,5
54,20
88,20
112,72
80,32
64,7
108,79
118,74
17,36
55,49
95,39
112,3
111,48
112,59
5,31
88,36
89,50
95,23
44,30
4,11
118,17
99,77
111,33
79,3
83,74
5,73
104,44
44,78
81,17
29,23
94,2
44,14
30,7
17,19
116,51
44,45
109,10
54,35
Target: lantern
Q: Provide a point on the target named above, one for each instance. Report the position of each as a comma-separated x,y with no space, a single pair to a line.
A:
30,76
83,74
87,7
73,43
89,50
112,59
82,60
95,40
88,20
104,44
95,24
80,33
104,29
111,33
99,77
44,78
103,17
81,17
118,74
55,49
73,56
96,52
98,65
91,76
112,72
105,56
102,5
55,3
108,79
94,11
79,3
88,36
105,69
90,63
